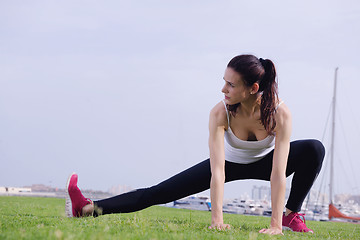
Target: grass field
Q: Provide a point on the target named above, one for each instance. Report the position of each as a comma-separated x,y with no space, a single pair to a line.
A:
44,218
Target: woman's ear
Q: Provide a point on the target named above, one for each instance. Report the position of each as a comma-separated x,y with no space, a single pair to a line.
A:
254,88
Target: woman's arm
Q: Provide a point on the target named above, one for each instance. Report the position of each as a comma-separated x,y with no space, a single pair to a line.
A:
278,173
217,164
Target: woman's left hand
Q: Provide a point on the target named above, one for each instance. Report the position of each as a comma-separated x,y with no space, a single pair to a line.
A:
271,231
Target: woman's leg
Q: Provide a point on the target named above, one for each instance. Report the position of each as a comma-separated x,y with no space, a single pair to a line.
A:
188,182
305,161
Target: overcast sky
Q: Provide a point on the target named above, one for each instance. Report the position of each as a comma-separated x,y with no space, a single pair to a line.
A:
120,91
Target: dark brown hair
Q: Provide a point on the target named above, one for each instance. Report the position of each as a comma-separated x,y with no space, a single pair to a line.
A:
254,70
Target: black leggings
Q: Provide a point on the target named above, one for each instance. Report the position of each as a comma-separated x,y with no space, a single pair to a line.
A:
305,161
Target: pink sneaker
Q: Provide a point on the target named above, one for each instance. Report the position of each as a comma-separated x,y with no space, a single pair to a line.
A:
75,201
294,223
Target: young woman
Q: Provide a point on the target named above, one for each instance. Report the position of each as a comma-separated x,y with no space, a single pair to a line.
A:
249,138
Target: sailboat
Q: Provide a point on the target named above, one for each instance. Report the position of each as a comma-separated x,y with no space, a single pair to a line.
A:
333,211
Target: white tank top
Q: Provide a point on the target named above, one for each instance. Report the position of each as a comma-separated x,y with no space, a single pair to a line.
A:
245,152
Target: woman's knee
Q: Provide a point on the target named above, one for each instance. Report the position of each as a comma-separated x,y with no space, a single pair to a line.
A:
314,151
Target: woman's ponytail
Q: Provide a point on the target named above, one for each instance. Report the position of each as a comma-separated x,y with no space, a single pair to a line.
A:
269,87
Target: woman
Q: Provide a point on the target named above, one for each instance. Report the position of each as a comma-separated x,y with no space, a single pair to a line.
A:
249,138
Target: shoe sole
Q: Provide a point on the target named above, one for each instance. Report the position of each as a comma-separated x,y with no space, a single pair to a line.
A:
289,229
68,204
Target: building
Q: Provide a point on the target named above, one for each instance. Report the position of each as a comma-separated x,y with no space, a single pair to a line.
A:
14,190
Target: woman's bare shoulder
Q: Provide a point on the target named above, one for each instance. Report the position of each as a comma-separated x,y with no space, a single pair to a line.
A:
218,115
282,116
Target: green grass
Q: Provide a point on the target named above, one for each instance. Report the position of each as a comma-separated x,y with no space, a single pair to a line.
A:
44,218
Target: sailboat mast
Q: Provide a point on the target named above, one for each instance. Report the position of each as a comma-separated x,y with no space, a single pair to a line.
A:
333,211
332,140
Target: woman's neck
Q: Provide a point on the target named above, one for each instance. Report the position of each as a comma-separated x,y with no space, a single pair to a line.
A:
251,105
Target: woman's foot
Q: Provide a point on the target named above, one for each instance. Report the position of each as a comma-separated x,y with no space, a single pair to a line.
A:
293,222
76,204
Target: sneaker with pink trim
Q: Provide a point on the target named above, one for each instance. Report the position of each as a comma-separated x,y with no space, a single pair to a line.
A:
294,223
75,201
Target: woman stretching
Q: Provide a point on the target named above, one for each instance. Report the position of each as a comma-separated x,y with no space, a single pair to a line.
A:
249,138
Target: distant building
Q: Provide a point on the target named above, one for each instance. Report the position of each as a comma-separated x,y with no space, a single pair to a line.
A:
264,193
347,198
14,190
260,193
41,188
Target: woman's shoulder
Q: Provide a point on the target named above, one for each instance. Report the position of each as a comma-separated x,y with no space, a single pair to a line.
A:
282,109
282,115
219,115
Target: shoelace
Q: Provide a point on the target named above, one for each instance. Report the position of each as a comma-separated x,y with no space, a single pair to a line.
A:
297,216
91,202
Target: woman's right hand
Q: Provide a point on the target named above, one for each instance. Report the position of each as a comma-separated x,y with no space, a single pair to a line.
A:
219,226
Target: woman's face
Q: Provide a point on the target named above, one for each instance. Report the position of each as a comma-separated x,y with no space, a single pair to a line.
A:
235,90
